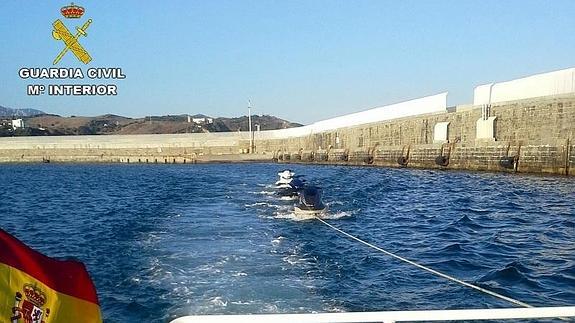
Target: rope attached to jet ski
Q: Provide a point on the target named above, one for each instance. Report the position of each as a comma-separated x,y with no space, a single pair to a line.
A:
435,272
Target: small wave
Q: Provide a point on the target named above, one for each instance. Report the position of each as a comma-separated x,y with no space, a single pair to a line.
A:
456,264
286,216
218,301
265,204
295,260
332,203
291,259
268,210
277,240
182,290
478,211
290,215
257,204
243,302
328,216
466,222
512,273
568,223
264,192
338,215
454,247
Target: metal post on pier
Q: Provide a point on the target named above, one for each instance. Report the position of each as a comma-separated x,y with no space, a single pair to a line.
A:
251,150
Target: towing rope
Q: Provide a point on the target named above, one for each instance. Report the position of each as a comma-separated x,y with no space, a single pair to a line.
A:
435,272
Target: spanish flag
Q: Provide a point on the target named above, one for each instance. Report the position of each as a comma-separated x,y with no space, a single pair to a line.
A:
37,289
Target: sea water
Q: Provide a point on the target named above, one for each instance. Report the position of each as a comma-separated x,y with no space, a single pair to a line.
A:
163,241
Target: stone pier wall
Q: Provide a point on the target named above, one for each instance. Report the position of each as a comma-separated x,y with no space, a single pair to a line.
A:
529,136
177,148
533,135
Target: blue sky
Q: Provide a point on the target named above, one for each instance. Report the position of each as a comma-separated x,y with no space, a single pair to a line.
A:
300,60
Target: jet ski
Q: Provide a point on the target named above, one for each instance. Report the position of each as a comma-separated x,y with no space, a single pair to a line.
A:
292,189
286,176
310,204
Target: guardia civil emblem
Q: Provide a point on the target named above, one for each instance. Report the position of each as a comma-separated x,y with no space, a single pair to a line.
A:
29,309
60,32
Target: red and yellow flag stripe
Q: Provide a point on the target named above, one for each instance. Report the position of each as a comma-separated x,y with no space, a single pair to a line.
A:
61,290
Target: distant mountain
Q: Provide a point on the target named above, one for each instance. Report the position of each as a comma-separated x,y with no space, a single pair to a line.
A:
9,112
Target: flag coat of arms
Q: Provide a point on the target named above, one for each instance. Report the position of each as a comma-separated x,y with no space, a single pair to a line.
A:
37,289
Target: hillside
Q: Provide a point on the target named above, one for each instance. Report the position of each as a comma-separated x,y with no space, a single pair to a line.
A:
113,124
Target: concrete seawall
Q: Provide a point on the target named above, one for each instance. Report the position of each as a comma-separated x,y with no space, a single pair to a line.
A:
529,136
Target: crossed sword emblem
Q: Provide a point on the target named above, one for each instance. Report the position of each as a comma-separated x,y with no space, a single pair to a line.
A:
60,32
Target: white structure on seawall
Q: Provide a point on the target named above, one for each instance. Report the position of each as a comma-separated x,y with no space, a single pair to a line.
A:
545,84
429,104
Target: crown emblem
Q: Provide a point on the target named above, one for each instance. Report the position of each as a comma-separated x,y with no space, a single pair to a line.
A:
72,11
34,295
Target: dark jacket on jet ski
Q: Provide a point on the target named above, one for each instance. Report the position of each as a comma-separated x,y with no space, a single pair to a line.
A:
310,199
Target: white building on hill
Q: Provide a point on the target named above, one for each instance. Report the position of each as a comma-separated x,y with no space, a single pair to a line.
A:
17,123
202,120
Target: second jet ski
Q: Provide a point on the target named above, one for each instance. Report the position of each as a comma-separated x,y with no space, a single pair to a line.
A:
292,189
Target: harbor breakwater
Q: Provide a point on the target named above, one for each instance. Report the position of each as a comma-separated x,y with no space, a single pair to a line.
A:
531,136
517,134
